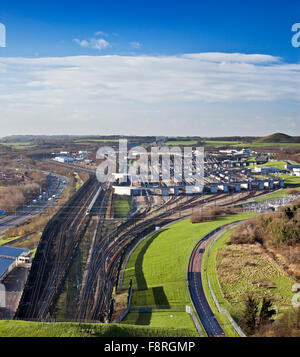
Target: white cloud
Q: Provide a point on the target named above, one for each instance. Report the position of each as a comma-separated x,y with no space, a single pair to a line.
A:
101,33
135,45
93,43
204,94
233,57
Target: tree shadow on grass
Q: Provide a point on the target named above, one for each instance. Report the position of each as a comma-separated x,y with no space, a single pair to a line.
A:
140,277
159,296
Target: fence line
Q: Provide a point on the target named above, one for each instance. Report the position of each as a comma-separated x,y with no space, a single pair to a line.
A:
190,311
126,311
222,310
153,308
169,308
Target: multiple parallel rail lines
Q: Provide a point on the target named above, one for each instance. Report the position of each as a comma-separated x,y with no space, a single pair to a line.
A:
110,249
57,246
62,236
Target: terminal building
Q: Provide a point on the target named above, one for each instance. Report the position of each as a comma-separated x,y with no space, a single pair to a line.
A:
10,257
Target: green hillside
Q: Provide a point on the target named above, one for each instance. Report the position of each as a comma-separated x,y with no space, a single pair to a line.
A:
278,138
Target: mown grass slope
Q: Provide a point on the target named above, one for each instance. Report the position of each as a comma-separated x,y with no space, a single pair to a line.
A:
122,205
158,266
64,329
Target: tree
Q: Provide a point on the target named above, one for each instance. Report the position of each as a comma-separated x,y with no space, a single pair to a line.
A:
250,313
266,311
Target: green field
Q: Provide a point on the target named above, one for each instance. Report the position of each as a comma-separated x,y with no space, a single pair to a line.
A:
158,266
122,205
279,193
19,145
275,163
91,141
162,320
217,143
14,328
180,143
235,269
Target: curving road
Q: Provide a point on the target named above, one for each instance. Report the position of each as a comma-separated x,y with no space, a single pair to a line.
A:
207,318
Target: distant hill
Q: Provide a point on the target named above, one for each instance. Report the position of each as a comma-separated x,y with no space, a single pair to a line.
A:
278,138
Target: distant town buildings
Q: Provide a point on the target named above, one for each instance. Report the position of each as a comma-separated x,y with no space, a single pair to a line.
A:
66,156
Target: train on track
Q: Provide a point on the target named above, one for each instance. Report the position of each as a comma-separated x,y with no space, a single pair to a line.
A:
91,205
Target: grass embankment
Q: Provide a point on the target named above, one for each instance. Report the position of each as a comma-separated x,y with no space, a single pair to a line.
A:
78,182
238,269
63,329
158,269
122,205
180,143
274,163
4,241
290,182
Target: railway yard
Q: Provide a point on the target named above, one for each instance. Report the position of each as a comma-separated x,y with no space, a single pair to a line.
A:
77,269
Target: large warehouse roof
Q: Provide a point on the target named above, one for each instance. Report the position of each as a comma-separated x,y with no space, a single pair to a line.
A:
4,265
12,252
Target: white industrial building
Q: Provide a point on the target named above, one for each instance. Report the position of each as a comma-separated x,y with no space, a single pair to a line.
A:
246,152
63,159
265,170
296,171
10,257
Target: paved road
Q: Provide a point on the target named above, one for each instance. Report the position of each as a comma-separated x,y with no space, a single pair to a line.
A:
208,319
56,186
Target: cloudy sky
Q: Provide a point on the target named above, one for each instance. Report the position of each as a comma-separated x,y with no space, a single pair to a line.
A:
122,67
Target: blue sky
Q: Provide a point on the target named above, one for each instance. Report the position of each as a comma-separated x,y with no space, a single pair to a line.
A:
147,38
47,28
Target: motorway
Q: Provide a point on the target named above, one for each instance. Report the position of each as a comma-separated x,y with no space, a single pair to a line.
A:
56,186
206,316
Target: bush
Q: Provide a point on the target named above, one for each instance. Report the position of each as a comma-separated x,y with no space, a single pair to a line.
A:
292,191
246,233
212,213
279,229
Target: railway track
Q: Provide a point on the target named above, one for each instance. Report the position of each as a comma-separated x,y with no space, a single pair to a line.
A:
54,254
110,249
62,236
